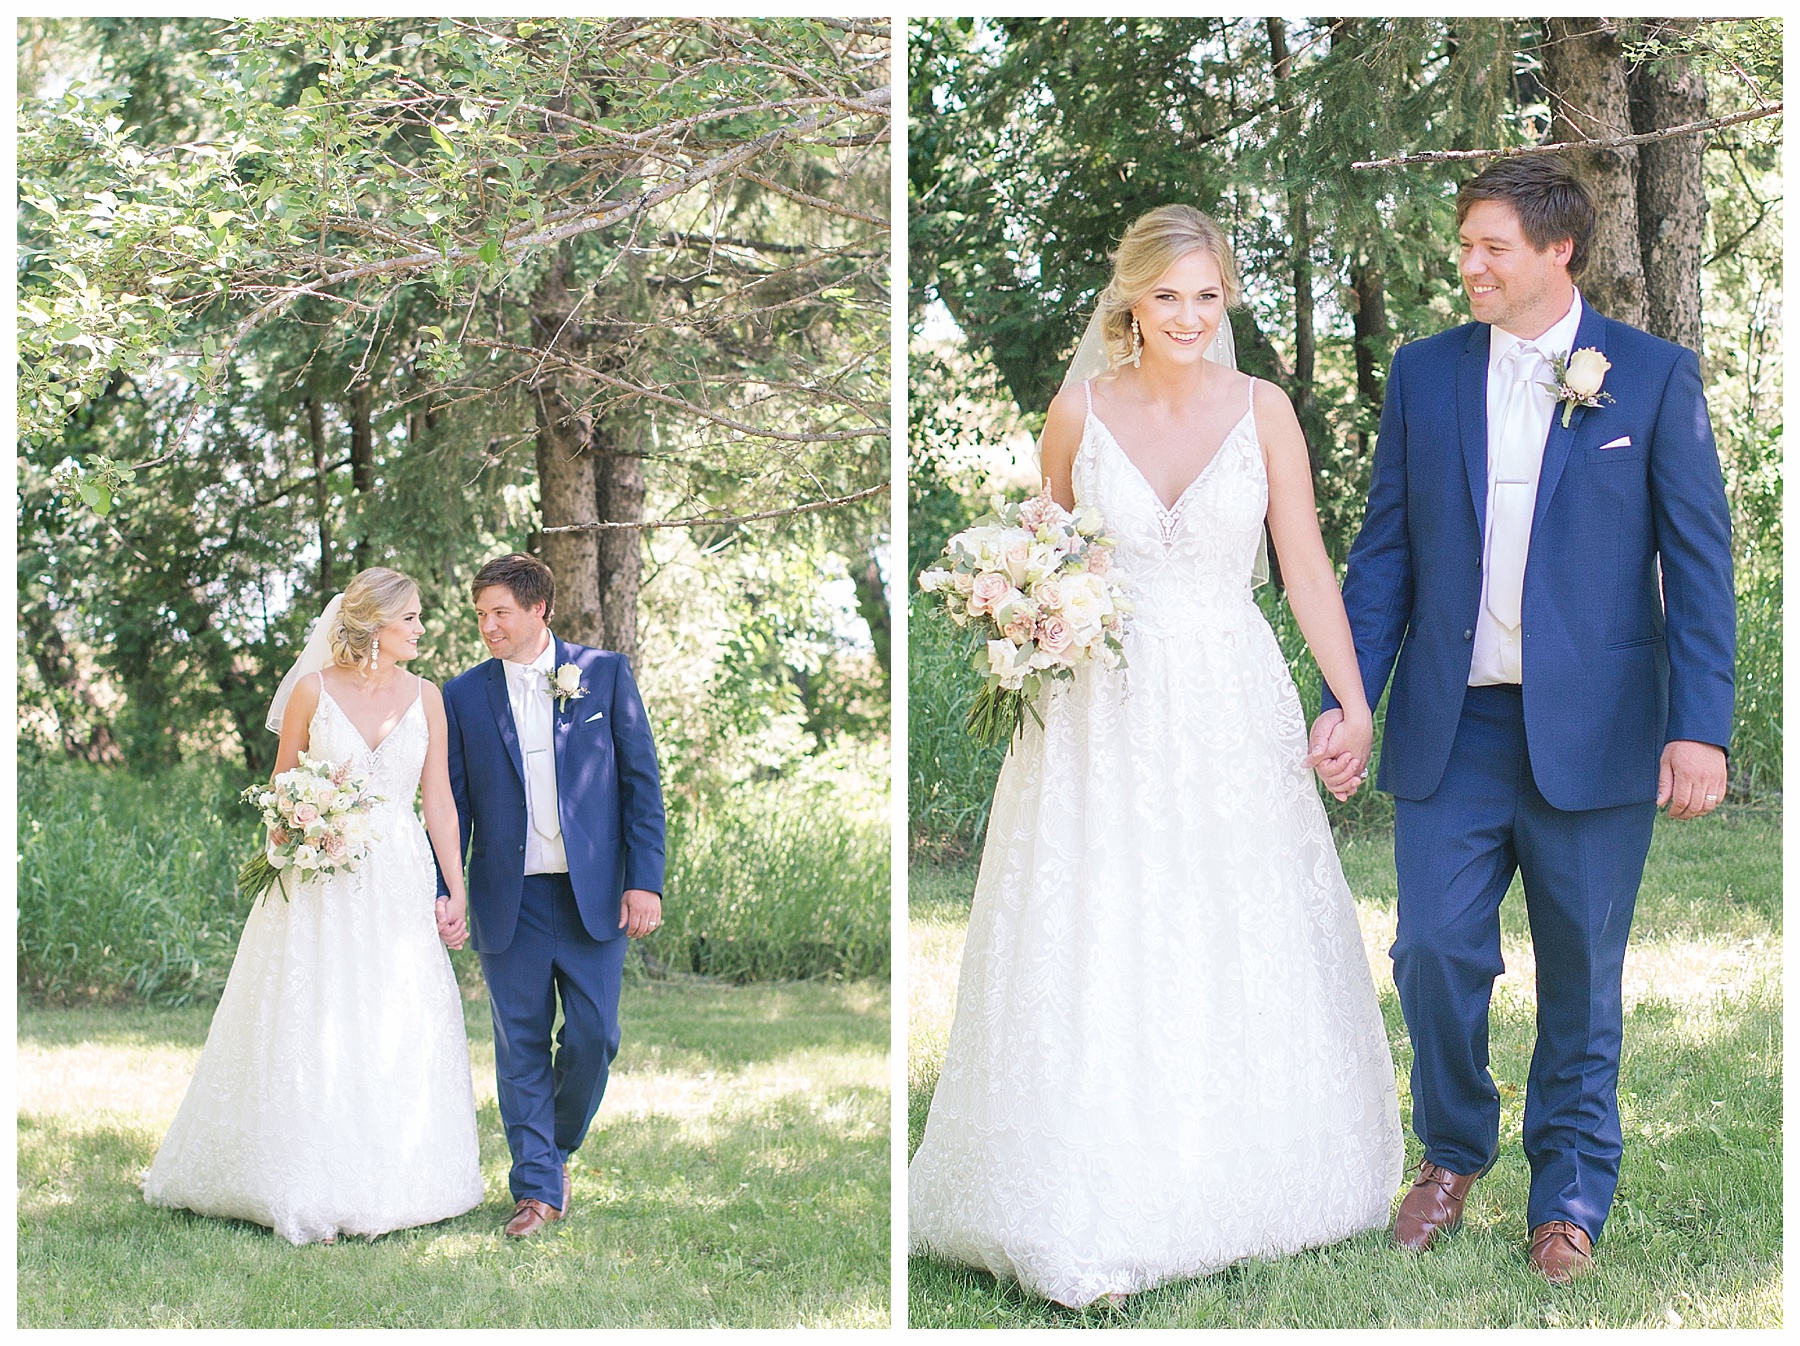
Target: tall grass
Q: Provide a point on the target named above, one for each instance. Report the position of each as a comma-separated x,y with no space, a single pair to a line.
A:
950,777
779,881
127,884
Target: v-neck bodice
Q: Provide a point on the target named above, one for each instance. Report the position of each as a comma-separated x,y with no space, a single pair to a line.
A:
393,765
1196,554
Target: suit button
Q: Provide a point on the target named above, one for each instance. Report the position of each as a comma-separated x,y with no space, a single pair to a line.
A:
521,848
1469,634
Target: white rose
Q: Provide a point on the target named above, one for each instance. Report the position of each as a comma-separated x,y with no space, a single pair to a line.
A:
933,580
1088,521
568,680
306,858
1586,371
1086,602
1003,658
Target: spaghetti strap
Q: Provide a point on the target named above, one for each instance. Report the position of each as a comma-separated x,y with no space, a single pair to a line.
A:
1252,399
1087,387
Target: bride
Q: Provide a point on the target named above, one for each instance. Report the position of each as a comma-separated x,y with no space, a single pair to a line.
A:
334,1094
1167,1054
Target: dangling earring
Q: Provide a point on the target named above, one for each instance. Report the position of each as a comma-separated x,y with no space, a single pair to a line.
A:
1137,342
374,656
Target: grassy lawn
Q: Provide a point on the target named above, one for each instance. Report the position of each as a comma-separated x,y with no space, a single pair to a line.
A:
1695,1236
737,1176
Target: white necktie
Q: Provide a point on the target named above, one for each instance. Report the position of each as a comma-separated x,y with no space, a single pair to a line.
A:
540,754
1515,467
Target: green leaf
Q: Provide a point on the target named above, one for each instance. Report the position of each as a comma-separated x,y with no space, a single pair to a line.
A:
489,252
443,141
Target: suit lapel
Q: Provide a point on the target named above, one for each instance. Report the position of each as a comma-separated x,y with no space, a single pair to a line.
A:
1471,416
1591,331
501,705
564,712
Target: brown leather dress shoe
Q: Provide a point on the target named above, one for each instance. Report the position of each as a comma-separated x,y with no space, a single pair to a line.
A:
529,1216
1562,1251
1434,1205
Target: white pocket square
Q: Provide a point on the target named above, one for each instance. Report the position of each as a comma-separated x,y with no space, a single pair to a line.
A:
1622,442
595,716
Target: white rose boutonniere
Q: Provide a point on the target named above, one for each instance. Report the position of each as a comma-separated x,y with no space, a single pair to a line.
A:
1578,378
565,686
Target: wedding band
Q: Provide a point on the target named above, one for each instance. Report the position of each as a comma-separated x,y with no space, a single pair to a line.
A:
1712,799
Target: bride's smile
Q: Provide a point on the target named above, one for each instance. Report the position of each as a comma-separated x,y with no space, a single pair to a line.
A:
1182,312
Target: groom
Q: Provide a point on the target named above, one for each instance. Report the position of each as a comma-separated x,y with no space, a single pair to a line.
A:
1550,585
555,779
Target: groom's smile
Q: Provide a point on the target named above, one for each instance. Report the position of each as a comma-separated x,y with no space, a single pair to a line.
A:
1511,284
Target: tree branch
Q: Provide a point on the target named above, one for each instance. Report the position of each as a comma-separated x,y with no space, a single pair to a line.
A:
1610,143
552,357
715,520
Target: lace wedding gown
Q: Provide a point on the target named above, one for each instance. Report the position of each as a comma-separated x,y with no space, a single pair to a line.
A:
334,1093
1167,1054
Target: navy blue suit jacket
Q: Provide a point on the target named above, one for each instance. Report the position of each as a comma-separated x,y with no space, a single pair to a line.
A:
1614,663
608,794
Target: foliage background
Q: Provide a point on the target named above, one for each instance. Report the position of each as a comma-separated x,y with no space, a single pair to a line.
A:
1034,142
213,438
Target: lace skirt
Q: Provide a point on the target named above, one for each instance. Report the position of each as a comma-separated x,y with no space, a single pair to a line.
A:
1167,1054
334,1093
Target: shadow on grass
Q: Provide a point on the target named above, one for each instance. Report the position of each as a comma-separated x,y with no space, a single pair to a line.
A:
758,1208
1695,1235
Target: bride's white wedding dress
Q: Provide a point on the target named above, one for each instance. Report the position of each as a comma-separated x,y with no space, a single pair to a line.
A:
1167,1054
334,1093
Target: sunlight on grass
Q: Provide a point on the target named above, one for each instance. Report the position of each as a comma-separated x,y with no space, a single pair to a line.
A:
1695,1235
737,1175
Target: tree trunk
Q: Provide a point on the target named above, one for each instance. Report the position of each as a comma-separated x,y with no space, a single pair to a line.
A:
566,495
1584,73
1370,323
362,466
872,603
618,498
565,469
1671,192
315,422
1299,226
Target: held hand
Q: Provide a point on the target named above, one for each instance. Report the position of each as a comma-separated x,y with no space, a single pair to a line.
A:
452,921
1692,779
640,912
1339,750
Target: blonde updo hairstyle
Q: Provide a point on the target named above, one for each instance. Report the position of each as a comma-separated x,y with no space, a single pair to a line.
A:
1156,241
376,597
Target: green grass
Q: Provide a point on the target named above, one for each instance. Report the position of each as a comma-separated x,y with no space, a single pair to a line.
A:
127,884
1695,1235
737,1176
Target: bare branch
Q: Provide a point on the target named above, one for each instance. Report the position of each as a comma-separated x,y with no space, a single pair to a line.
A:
715,520
1610,143
818,203
551,357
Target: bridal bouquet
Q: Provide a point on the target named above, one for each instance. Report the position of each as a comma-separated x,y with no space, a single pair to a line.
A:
1039,583
318,820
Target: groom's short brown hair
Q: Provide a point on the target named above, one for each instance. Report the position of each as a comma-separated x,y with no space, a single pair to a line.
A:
1552,203
529,579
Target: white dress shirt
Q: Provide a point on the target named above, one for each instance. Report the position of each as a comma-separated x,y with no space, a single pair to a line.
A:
528,689
1519,413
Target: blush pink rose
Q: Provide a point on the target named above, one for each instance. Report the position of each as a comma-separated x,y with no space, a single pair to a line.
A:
334,846
990,587
1017,632
1055,635
305,813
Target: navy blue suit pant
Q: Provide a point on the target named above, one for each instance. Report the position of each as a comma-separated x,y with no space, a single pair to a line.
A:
548,1102
1456,852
